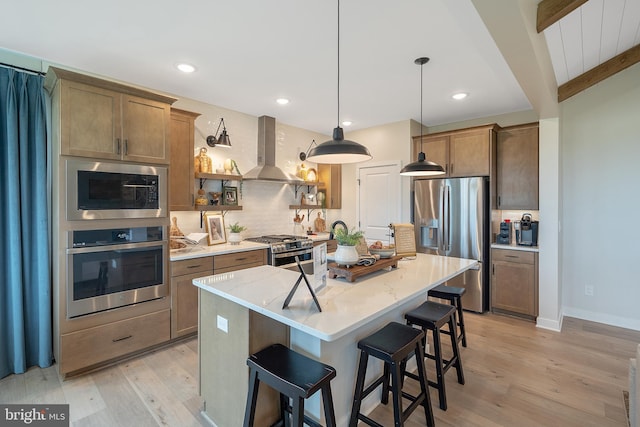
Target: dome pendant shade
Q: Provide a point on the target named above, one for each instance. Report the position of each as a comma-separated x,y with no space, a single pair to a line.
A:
339,150
422,167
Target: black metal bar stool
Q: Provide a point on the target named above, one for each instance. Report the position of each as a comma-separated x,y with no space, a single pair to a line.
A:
433,316
392,344
294,376
454,296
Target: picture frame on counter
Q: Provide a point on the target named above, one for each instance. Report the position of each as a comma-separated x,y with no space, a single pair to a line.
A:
230,196
214,224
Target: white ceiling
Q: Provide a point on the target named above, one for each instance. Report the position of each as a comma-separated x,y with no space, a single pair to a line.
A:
250,52
592,34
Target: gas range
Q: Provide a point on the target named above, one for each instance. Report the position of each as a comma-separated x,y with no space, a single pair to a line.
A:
284,249
284,242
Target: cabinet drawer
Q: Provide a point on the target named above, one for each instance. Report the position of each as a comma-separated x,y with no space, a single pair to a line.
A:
91,346
238,259
194,265
523,257
237,267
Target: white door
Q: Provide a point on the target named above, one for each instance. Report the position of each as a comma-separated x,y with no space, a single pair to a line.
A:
378,200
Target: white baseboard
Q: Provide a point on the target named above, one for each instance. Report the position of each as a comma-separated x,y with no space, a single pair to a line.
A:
550,324
607,319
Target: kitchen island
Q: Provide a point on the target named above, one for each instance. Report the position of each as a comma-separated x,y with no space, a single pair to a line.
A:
241,312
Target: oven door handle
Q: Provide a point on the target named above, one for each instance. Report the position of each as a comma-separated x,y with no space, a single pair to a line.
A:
123,246
290,254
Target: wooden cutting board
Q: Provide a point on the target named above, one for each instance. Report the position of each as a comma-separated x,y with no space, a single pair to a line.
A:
352,273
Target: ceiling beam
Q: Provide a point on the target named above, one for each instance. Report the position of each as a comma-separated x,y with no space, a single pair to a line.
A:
599,73
512,25
551,11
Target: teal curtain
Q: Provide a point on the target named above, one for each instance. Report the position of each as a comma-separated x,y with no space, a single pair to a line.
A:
25,281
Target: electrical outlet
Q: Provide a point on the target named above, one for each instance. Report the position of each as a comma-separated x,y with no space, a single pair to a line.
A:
588,290
223,324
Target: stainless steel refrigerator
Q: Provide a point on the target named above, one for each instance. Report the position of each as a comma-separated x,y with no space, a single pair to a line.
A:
451,218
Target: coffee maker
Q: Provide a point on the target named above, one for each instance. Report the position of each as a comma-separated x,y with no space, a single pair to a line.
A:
526,231
504,237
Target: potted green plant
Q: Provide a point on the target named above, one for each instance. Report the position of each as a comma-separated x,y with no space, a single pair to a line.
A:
346,253
234,233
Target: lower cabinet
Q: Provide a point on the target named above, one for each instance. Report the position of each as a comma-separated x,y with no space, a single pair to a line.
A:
332,244
93,346
239,261
184,296
514,282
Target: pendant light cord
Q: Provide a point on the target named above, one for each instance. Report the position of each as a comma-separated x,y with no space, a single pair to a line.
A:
421,65
338,63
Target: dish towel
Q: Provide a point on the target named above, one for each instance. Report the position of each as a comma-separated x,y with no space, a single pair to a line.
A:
367,260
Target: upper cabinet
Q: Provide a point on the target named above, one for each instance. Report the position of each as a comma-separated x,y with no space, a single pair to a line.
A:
465,152
330,178
107,120
517,167
181,169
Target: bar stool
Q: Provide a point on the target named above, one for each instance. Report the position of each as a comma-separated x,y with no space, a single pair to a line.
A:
433,316
392,344
294,376
454,296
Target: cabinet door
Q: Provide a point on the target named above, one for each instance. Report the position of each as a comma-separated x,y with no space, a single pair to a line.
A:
514,282
181,183
436,149
469,153
184,304
517,168
89,121
145,130
331,178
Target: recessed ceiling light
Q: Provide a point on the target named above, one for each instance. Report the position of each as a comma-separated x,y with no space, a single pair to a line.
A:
347,123
186,68
459,96
282,101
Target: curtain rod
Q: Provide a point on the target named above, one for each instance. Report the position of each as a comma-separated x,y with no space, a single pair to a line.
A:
4,64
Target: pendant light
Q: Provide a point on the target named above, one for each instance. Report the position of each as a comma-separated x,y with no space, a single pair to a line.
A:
422,167
339,150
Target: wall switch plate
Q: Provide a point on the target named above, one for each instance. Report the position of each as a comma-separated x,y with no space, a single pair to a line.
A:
223,324
588,290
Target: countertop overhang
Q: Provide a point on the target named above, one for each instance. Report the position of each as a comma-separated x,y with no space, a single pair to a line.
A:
345,306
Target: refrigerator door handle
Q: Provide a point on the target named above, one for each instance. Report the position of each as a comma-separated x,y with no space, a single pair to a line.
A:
447,218
442,229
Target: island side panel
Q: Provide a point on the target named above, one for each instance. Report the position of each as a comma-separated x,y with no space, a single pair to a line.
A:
224,375
343,354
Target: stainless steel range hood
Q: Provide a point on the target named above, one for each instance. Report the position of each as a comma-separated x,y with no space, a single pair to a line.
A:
267,169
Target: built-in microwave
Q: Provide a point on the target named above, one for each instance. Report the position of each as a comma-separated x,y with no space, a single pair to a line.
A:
103,190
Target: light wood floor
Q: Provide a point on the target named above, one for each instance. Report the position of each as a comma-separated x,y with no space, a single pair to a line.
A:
516,376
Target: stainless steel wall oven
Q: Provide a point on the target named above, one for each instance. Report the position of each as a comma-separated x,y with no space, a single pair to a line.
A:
114,267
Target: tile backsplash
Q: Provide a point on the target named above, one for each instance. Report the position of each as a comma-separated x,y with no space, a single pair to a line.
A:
265,210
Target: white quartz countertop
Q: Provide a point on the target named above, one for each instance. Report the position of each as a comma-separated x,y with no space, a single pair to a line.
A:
345,306
198,251
515,247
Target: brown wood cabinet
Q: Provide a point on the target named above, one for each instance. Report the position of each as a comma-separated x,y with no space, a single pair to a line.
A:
332,244
514,282
184,295
517,167
239,261
106,120
330,178
181,168
102,343
465,152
